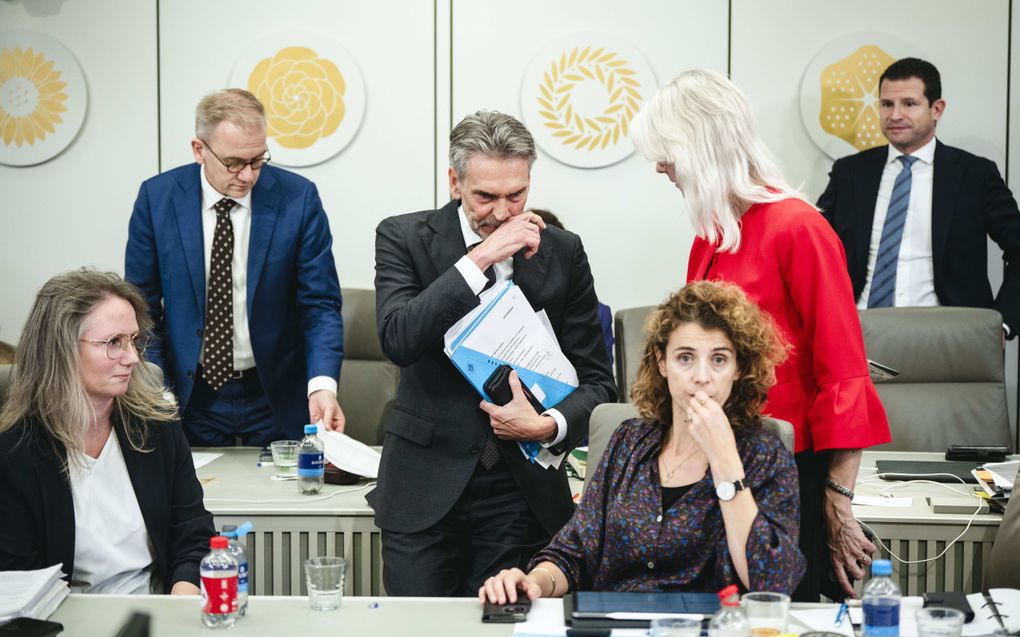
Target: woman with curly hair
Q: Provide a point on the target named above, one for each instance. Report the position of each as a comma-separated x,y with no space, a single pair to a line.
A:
694,495
95,472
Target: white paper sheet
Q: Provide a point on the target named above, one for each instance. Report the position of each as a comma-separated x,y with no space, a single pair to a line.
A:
545,619
25,592
202,458
1003,473
349,454
890,503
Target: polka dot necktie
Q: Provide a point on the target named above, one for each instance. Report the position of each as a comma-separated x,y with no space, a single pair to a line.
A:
218,365
490,448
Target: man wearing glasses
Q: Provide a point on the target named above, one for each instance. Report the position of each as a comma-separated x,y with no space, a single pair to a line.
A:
235,260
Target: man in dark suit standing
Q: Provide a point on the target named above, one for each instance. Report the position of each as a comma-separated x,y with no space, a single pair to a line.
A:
913,216
457,500
235,260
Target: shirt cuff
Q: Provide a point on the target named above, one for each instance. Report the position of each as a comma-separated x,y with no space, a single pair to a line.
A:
472,274
561,427
322,382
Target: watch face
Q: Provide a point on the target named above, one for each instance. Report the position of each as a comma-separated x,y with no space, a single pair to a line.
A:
725,490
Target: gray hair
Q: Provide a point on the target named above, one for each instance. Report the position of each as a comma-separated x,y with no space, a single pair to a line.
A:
46,384
492,134
234,105
703,125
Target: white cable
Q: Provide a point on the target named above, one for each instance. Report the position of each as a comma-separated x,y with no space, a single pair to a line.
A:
949,545
300,500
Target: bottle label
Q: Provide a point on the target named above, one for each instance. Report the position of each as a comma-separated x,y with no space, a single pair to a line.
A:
242,577
219,595
881,620
310,465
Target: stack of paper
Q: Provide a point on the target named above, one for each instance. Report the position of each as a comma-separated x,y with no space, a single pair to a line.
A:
350,455
505,330
34,594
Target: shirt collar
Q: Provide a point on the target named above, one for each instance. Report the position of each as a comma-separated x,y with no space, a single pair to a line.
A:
925,153
470,236
210,195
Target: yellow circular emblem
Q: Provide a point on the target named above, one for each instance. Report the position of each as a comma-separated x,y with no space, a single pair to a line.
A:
303,95
32,97
610,76
849,107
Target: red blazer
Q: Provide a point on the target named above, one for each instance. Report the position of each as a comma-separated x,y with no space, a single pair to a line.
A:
792,264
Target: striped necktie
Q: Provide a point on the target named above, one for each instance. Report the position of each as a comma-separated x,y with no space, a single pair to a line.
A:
883,281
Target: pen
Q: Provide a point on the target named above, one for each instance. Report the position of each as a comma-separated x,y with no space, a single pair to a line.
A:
840,614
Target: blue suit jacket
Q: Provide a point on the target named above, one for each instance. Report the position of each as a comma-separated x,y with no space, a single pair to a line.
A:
292,287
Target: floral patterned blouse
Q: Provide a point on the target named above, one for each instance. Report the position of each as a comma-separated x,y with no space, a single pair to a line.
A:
619,538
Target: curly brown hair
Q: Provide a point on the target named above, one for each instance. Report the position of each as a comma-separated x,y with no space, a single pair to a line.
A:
758,345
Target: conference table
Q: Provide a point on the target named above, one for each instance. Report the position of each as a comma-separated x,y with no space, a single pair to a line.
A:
93,615
290,527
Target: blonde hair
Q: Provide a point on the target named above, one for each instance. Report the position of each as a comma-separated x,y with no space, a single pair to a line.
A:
46,385
702,124
234,105
757,344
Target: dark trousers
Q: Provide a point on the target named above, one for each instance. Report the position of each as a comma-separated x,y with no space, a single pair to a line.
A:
240,409
489,528
819,578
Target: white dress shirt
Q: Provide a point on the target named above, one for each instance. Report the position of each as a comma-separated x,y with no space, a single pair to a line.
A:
240,218
112,553
915,271
476,280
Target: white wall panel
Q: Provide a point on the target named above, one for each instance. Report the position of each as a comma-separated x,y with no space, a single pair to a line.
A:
632,221
387,168
73,210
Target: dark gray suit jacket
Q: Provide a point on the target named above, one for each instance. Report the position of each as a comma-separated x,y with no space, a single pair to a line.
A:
436,429
969,203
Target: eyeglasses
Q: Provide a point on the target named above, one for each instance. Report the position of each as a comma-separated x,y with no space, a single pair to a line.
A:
118,344
234,165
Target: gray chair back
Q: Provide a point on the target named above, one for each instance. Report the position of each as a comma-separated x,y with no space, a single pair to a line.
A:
629,330
605,418
951,387
1002,570
5,381
368,381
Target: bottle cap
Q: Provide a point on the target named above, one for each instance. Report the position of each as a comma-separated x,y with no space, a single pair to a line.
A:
311,429
881,567
727,595
218,542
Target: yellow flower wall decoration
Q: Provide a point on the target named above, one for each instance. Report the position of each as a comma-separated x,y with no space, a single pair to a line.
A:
303,95
32,96
849,87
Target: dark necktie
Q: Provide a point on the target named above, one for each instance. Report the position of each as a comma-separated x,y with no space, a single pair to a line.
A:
218,363
490,448
883,281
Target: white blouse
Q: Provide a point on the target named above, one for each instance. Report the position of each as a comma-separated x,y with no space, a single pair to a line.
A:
112,552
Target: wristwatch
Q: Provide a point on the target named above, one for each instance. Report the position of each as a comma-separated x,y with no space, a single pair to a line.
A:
726,490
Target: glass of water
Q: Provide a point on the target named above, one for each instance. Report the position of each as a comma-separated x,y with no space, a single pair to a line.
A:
285,458
325,579
935,621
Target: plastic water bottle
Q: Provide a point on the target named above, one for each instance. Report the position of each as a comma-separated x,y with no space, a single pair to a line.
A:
234,533
311,471
730,621
219,585
881,602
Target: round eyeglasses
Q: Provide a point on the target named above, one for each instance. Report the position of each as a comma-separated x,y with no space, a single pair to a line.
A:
235,165
118,344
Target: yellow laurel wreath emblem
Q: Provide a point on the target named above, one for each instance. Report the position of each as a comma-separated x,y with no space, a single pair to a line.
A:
303,95
586,131
849,87
31,97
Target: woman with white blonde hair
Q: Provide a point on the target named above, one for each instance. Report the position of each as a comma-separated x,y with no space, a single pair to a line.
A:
755,230
95,472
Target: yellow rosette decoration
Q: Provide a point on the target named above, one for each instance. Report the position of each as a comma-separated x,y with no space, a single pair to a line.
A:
303,95
850,97
31,97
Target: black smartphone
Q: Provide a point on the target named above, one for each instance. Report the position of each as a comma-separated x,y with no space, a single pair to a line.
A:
28,627
506,613
497,386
